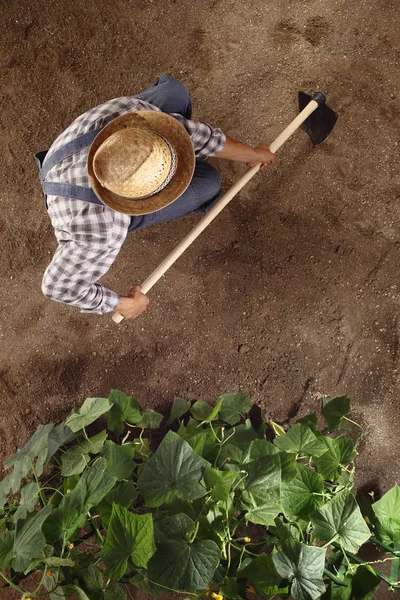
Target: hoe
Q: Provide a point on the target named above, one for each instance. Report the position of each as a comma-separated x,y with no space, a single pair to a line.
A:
317,120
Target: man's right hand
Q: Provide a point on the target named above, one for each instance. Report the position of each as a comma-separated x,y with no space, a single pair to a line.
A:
132,305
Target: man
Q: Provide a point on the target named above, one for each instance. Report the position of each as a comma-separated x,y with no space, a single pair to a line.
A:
122,166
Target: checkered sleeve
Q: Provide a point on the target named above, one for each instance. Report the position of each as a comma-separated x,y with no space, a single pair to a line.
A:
206,140
83,256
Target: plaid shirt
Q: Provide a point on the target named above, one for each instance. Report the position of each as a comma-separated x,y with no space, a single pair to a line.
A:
90,236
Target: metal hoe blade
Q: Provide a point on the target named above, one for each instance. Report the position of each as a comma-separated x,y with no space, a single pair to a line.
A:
321,122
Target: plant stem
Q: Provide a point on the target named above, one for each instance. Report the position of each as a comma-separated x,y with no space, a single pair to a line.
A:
42,498
171,589
245,549
97,530
12,584
192,538
394,551
41,581
335,579
331,541
53,489
229,559
359,561
353,422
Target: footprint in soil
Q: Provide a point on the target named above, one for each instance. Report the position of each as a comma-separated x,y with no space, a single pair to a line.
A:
316,30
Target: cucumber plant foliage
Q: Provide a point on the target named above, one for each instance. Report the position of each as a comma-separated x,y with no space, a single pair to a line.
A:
208,503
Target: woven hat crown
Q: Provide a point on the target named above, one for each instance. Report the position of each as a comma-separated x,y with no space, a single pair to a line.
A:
133,162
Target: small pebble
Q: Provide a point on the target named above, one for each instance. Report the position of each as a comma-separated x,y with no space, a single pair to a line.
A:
243,348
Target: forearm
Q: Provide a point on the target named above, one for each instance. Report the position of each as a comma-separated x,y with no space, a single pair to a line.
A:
92,298
235,150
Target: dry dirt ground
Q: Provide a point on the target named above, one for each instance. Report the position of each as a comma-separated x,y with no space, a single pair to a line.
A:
293,292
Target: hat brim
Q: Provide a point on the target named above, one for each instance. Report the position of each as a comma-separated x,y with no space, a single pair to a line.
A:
179,139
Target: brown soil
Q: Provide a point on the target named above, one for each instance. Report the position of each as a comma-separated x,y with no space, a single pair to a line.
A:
293,292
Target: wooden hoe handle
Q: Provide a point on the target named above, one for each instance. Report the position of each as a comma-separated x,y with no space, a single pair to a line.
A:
220,205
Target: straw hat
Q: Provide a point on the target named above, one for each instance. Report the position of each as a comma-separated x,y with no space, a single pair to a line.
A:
141,162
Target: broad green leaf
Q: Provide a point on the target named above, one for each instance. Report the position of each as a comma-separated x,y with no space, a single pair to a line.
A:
91,580
303,494
70,483
213,416
141,581
119,459
311,420
73,461
263,481
238,448
142,448
124,409
81,558
264,514
234,405
50,583
173,471
150,419
74,591
173,527
114,592
34,450
29,499
94,444
259,448
263,574
215,531
288,466
361,585
230,589
201,410
300,439
222,509
340,452
387,512
56,561
58,436
96,482
47,552
29,540
181,565
69,515
219,482
6,548
200,441
365,583
179,408
128,535
123,494
341,519
303,566
178,506
90,410
334,409
5,488
285,531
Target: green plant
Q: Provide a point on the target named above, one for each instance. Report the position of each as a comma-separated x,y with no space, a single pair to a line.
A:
225,505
